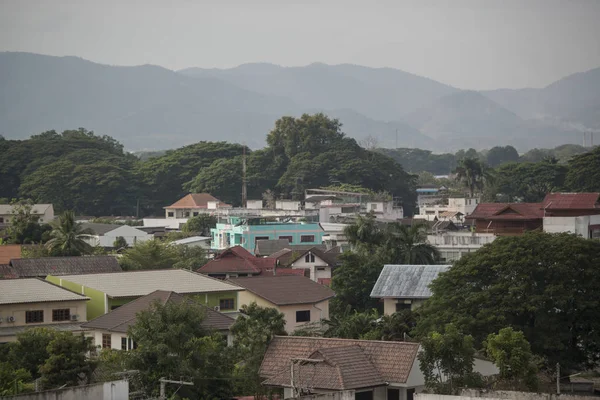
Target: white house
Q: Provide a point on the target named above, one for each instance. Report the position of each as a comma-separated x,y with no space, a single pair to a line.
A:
195,241
455,211
45,213
453,245
105,234
318,262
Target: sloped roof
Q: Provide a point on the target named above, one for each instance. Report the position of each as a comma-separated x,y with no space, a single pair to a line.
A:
507,211
406,281
192,239
62,327
42,267
571,201
237,260
335,368
291,257
141,283
268,247
392,361
8,252
7,272
37,209
120,319
99,229
285,289
34,290
196,200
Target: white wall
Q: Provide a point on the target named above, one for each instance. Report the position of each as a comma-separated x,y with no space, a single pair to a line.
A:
314,274
577,225
115,390
171,223
318,312
287,205
129,233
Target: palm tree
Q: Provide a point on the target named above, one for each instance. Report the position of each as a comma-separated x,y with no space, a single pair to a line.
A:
364,233
408,244
68,237
473,173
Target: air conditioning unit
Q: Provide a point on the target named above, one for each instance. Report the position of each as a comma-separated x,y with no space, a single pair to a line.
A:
74,317
217,308
10,319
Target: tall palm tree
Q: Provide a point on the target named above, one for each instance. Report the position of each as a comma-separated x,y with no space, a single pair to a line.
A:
68,237
473,173
408,244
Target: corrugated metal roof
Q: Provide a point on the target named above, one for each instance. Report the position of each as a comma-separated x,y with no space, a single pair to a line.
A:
34,290
191,239
141,283
99,229
406,281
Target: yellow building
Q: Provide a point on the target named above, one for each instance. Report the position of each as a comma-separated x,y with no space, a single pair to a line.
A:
31,303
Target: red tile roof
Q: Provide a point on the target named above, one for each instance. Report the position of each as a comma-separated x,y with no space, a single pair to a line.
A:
285,290
237,260
392,361
507,211
571,201
292,271
196,200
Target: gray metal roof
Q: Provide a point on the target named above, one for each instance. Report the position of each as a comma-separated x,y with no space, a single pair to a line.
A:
15,330
406,281
34,290
99,229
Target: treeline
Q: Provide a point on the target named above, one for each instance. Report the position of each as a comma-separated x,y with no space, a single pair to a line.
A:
93,175
418,160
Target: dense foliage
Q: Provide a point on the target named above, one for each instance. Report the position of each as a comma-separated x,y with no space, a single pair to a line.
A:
542,284
157,254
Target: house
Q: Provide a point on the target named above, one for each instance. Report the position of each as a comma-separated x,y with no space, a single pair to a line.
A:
405,286
32,302
246,232
104,235
194,241
192,205
300,299
452,245
110,330
503,219
571,204
110,291
235,262
268,247
319,263
8,252
454,209
375,370
45,213
44,266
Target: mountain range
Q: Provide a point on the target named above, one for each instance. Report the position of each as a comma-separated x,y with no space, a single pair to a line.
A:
149,107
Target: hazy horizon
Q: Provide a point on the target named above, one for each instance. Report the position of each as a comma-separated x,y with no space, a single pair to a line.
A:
467,44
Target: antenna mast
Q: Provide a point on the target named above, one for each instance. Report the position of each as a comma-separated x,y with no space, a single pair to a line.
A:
244,189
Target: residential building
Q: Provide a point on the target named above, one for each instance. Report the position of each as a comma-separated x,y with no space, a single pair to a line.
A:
587,226
246,232
237,262
194,241
110,291
192,205
334,234
110,330
44,266
503,219
104,235
301,300
334,205
375,370
452,245
45,213
453,210
571,204
32,302
319,263
266,248
404,287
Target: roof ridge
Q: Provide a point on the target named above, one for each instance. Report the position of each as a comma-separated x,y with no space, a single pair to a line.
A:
344,339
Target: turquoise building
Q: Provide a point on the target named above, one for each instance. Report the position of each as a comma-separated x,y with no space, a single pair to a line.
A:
240,231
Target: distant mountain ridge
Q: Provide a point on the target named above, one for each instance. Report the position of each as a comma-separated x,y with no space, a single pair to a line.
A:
150,107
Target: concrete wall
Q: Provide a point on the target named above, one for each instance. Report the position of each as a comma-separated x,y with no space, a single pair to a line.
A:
499,395
577,225
389,305
312,266
115,390
171,223
345,395
130,234
318,312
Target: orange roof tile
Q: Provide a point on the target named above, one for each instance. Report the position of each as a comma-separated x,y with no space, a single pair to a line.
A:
196,200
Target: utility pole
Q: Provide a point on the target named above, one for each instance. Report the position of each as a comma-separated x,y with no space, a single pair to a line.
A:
244,189
163,384
557,378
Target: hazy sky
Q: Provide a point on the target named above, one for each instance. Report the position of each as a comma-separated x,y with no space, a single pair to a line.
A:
471,44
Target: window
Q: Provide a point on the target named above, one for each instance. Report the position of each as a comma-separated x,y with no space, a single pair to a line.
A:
309,258
195,213
393,394
123,343
307,238
364,395
320,268
171,214
226,304
61,315
288,238
1,220
106,341
114,307
303,316
402,306
186,214
33,317
373,206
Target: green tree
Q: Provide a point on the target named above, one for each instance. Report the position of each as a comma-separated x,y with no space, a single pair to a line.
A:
200,224
190,257
473,173
12,380
173,341
30,351
67,362
253,331
447,360
25,227
501,154
120,243
68,237
408,244
511,353
149,254
520,282
584,172
353,281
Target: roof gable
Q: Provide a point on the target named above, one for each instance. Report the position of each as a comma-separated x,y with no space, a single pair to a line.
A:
406,281
235,260
571,201
285,289
197,200
508,211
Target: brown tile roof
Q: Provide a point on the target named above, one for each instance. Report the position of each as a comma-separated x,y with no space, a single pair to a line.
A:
284,290
8,252
42,267
392,361
507,211
292,257
196,200
270,246
292,271
571,201
121,318
237,260
7,272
